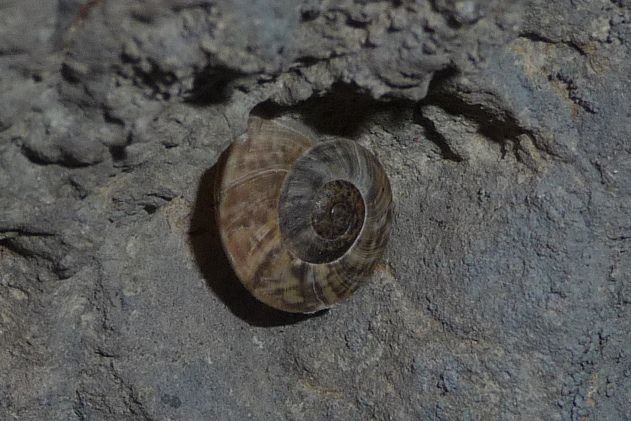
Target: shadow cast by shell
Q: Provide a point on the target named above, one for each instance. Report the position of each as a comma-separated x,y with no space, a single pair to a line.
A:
215,266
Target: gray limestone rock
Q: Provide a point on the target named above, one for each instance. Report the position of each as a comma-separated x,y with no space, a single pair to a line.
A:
504,126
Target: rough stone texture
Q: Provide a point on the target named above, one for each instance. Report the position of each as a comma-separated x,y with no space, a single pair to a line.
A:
505,129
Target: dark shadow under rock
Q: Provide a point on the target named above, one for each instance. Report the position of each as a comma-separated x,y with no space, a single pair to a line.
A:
343,111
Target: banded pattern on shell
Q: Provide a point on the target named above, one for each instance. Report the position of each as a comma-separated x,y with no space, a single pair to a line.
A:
302,222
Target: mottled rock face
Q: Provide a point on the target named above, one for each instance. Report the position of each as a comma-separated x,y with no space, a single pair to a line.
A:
504,130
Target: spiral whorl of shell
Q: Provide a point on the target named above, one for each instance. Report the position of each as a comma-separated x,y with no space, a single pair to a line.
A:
303,222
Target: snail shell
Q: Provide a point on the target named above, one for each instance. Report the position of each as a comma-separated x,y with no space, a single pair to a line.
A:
302,222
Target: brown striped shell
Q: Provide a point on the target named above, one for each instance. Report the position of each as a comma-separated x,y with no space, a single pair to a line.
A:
303,222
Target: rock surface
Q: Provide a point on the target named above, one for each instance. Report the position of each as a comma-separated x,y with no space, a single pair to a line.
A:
505,129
